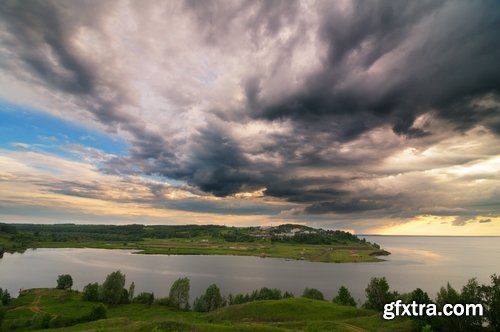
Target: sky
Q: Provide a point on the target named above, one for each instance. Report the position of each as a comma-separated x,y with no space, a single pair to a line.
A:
377,117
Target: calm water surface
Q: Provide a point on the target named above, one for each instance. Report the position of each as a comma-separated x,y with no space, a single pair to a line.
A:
425,262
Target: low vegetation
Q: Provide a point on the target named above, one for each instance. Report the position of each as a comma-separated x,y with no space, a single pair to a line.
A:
110,307
293,314
285,241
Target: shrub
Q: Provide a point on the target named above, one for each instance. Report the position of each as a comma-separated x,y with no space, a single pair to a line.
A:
40,320
344,297
98,312
91,292
313,293
144,298
164,301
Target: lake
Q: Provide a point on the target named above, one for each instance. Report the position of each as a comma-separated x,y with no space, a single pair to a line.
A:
425,262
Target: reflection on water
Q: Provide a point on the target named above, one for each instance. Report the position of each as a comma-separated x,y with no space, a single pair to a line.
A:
425,262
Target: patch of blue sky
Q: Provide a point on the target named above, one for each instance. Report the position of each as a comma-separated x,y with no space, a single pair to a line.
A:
170,181
208,77
25,127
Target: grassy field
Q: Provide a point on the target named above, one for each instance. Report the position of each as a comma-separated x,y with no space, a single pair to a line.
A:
297,314
206,246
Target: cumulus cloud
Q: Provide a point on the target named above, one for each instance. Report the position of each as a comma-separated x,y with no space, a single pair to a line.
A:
368,109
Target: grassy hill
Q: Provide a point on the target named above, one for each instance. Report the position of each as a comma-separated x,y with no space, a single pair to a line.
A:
295,314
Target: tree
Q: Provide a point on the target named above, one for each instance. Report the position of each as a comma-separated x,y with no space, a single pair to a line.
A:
377,294
179,294
64,281
91,292
268,294
472,292
492,299
238,298
419,296
131,291
111,291
448,295
313,293
344,297
211,300
125,297
4,297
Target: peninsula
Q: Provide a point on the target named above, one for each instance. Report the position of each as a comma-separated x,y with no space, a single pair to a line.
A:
289,241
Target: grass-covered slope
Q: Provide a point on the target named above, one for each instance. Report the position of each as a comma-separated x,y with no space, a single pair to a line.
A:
297,314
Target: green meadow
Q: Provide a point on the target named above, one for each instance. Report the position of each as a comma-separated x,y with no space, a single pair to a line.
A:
294,314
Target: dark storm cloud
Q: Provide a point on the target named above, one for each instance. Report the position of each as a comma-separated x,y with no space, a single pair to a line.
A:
39,35
216,165
453,60
381,64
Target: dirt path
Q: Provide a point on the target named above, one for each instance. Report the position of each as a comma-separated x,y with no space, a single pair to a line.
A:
353,328
33,306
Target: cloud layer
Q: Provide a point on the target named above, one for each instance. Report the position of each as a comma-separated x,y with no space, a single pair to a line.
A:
341,113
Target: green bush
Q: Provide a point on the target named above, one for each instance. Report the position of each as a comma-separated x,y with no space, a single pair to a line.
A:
144,298
40,320
98,312
313,293
91,292
164,301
